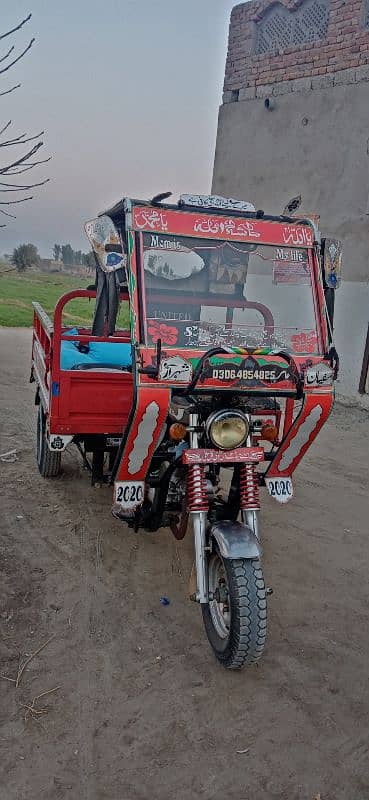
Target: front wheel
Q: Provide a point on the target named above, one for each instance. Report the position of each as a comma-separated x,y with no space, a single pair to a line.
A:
236,618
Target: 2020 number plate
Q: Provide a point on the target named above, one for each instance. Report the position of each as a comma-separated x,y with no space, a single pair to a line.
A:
281,489
129,494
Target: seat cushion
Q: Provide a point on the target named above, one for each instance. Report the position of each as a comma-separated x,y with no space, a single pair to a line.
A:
112,354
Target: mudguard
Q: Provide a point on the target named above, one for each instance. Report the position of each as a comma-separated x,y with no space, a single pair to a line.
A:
235,540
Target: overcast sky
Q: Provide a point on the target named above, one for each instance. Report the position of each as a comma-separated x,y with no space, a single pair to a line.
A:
128,93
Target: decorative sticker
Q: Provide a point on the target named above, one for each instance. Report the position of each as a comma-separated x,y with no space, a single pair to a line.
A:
319,375
129,494
301,438
106,244
291,266
158,330
305,342
250,372
57,443
241,455
144,438
223,227
333,262
281,489
215,201
175,368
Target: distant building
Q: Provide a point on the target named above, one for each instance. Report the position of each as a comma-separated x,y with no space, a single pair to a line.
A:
50,265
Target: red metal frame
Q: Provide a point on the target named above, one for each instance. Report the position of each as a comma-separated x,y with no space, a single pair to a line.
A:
151,391
316,408
78,402
221,227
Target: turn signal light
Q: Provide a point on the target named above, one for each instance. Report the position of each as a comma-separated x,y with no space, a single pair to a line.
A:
177,432
269,432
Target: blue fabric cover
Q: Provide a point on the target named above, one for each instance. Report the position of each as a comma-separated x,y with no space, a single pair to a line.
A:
112,353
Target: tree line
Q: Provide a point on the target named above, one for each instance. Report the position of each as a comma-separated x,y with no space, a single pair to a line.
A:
26,256
71,258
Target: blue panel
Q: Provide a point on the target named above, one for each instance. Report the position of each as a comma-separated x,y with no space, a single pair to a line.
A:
111,353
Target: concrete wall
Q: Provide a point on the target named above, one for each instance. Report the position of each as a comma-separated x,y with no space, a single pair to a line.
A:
351,325
314,143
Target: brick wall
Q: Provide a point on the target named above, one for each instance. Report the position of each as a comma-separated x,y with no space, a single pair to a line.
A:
341,56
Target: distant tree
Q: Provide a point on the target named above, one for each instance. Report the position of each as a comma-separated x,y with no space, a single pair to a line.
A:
13,162
25,256
88,260
77,257
56,252
67,254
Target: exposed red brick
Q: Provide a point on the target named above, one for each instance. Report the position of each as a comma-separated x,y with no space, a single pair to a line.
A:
346,46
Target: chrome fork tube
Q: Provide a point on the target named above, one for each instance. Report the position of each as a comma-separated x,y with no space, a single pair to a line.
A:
251,519
199,531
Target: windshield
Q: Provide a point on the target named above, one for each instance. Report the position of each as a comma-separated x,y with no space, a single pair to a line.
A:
200,293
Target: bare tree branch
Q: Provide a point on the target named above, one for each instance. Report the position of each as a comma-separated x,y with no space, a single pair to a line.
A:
16,139
8,54
24,162
5,69
5,127
21,140
22,188
28,155
10,90
14,202
3,36
25,169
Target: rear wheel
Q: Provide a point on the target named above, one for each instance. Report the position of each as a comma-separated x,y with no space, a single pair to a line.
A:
49,464
236,619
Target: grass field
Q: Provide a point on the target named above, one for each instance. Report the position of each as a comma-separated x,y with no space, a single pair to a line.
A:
18,291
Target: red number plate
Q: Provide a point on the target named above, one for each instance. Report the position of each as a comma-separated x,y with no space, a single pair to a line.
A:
242,454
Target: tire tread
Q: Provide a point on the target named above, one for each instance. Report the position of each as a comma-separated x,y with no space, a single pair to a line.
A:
248,615
49,464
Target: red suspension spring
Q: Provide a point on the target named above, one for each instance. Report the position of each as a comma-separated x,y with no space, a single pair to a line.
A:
197,494
249,488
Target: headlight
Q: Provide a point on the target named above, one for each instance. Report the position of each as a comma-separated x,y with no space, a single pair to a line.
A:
227,429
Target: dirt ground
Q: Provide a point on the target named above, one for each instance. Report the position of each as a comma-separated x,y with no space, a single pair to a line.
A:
143,711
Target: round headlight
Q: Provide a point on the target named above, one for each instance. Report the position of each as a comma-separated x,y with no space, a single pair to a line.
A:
227,429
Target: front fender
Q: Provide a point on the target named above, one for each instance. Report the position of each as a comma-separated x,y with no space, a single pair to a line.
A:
235,540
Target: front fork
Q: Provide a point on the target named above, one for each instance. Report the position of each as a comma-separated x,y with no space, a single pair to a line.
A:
198,507
250,496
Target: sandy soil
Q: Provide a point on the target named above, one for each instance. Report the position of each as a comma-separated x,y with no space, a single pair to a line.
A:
143,711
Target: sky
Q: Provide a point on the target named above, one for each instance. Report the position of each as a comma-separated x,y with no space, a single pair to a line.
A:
128,93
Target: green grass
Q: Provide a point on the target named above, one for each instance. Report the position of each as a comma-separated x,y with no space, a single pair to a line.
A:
18,291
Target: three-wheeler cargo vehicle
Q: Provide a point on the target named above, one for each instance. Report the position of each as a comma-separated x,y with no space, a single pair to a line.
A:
217,386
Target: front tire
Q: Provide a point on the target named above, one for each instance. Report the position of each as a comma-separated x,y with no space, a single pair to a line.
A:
49,464
236,620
